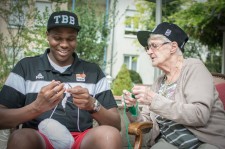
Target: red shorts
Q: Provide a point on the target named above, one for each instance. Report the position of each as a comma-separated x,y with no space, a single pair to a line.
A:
78,137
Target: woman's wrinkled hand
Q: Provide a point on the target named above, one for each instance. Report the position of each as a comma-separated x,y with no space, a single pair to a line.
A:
143,94
128,99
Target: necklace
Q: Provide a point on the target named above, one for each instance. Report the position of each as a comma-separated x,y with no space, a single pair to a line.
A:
168,83
177,67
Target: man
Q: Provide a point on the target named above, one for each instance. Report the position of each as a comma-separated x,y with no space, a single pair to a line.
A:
37,85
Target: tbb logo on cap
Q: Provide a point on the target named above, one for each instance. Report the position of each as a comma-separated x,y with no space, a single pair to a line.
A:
63,19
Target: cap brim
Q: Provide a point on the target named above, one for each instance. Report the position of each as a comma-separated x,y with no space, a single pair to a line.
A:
68,26
142,37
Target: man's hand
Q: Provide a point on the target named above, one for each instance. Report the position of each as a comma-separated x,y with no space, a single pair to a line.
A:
49,96
81,98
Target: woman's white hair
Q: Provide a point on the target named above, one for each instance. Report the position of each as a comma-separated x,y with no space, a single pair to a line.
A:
164,39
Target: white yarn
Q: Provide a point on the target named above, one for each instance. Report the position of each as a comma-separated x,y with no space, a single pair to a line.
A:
66,96
65,99
58,135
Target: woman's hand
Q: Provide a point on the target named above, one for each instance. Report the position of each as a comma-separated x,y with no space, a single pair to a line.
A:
128,99
143,94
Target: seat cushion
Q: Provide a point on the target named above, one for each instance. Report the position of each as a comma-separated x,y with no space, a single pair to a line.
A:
221,89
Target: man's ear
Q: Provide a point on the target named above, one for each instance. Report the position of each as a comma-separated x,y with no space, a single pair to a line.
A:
174,47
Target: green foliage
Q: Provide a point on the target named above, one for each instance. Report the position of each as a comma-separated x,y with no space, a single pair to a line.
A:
213,62
122,81
93,34
35,35
147,12
135,77
5,66
203,21
145,16
212,59
24,35
12,43
195,49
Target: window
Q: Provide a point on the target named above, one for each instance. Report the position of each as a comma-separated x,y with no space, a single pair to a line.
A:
44,10
130,27
18,13
131,62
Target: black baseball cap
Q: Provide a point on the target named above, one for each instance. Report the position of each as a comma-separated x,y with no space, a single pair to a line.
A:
171,31
63,19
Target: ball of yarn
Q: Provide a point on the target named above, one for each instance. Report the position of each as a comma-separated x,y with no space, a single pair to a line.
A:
58,135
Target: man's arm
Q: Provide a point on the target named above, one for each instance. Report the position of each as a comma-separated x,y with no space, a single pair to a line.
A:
47,98
83,100
10,118
108,117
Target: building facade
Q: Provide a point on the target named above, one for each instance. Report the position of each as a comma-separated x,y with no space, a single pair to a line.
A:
123,46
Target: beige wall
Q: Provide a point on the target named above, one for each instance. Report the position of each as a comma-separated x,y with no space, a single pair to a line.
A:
121,44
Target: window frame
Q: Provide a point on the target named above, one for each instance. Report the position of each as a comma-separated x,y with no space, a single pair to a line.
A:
131,62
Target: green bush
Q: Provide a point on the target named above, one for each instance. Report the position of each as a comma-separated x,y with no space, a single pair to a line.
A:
135,77
122,81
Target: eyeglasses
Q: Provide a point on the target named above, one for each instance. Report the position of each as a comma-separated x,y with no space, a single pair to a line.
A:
154,46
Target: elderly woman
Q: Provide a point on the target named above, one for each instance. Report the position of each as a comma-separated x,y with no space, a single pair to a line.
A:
183,103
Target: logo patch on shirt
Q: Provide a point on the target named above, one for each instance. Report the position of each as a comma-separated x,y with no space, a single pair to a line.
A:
80,77
40,76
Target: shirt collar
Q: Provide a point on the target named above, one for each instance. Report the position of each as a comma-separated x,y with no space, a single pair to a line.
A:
47,66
